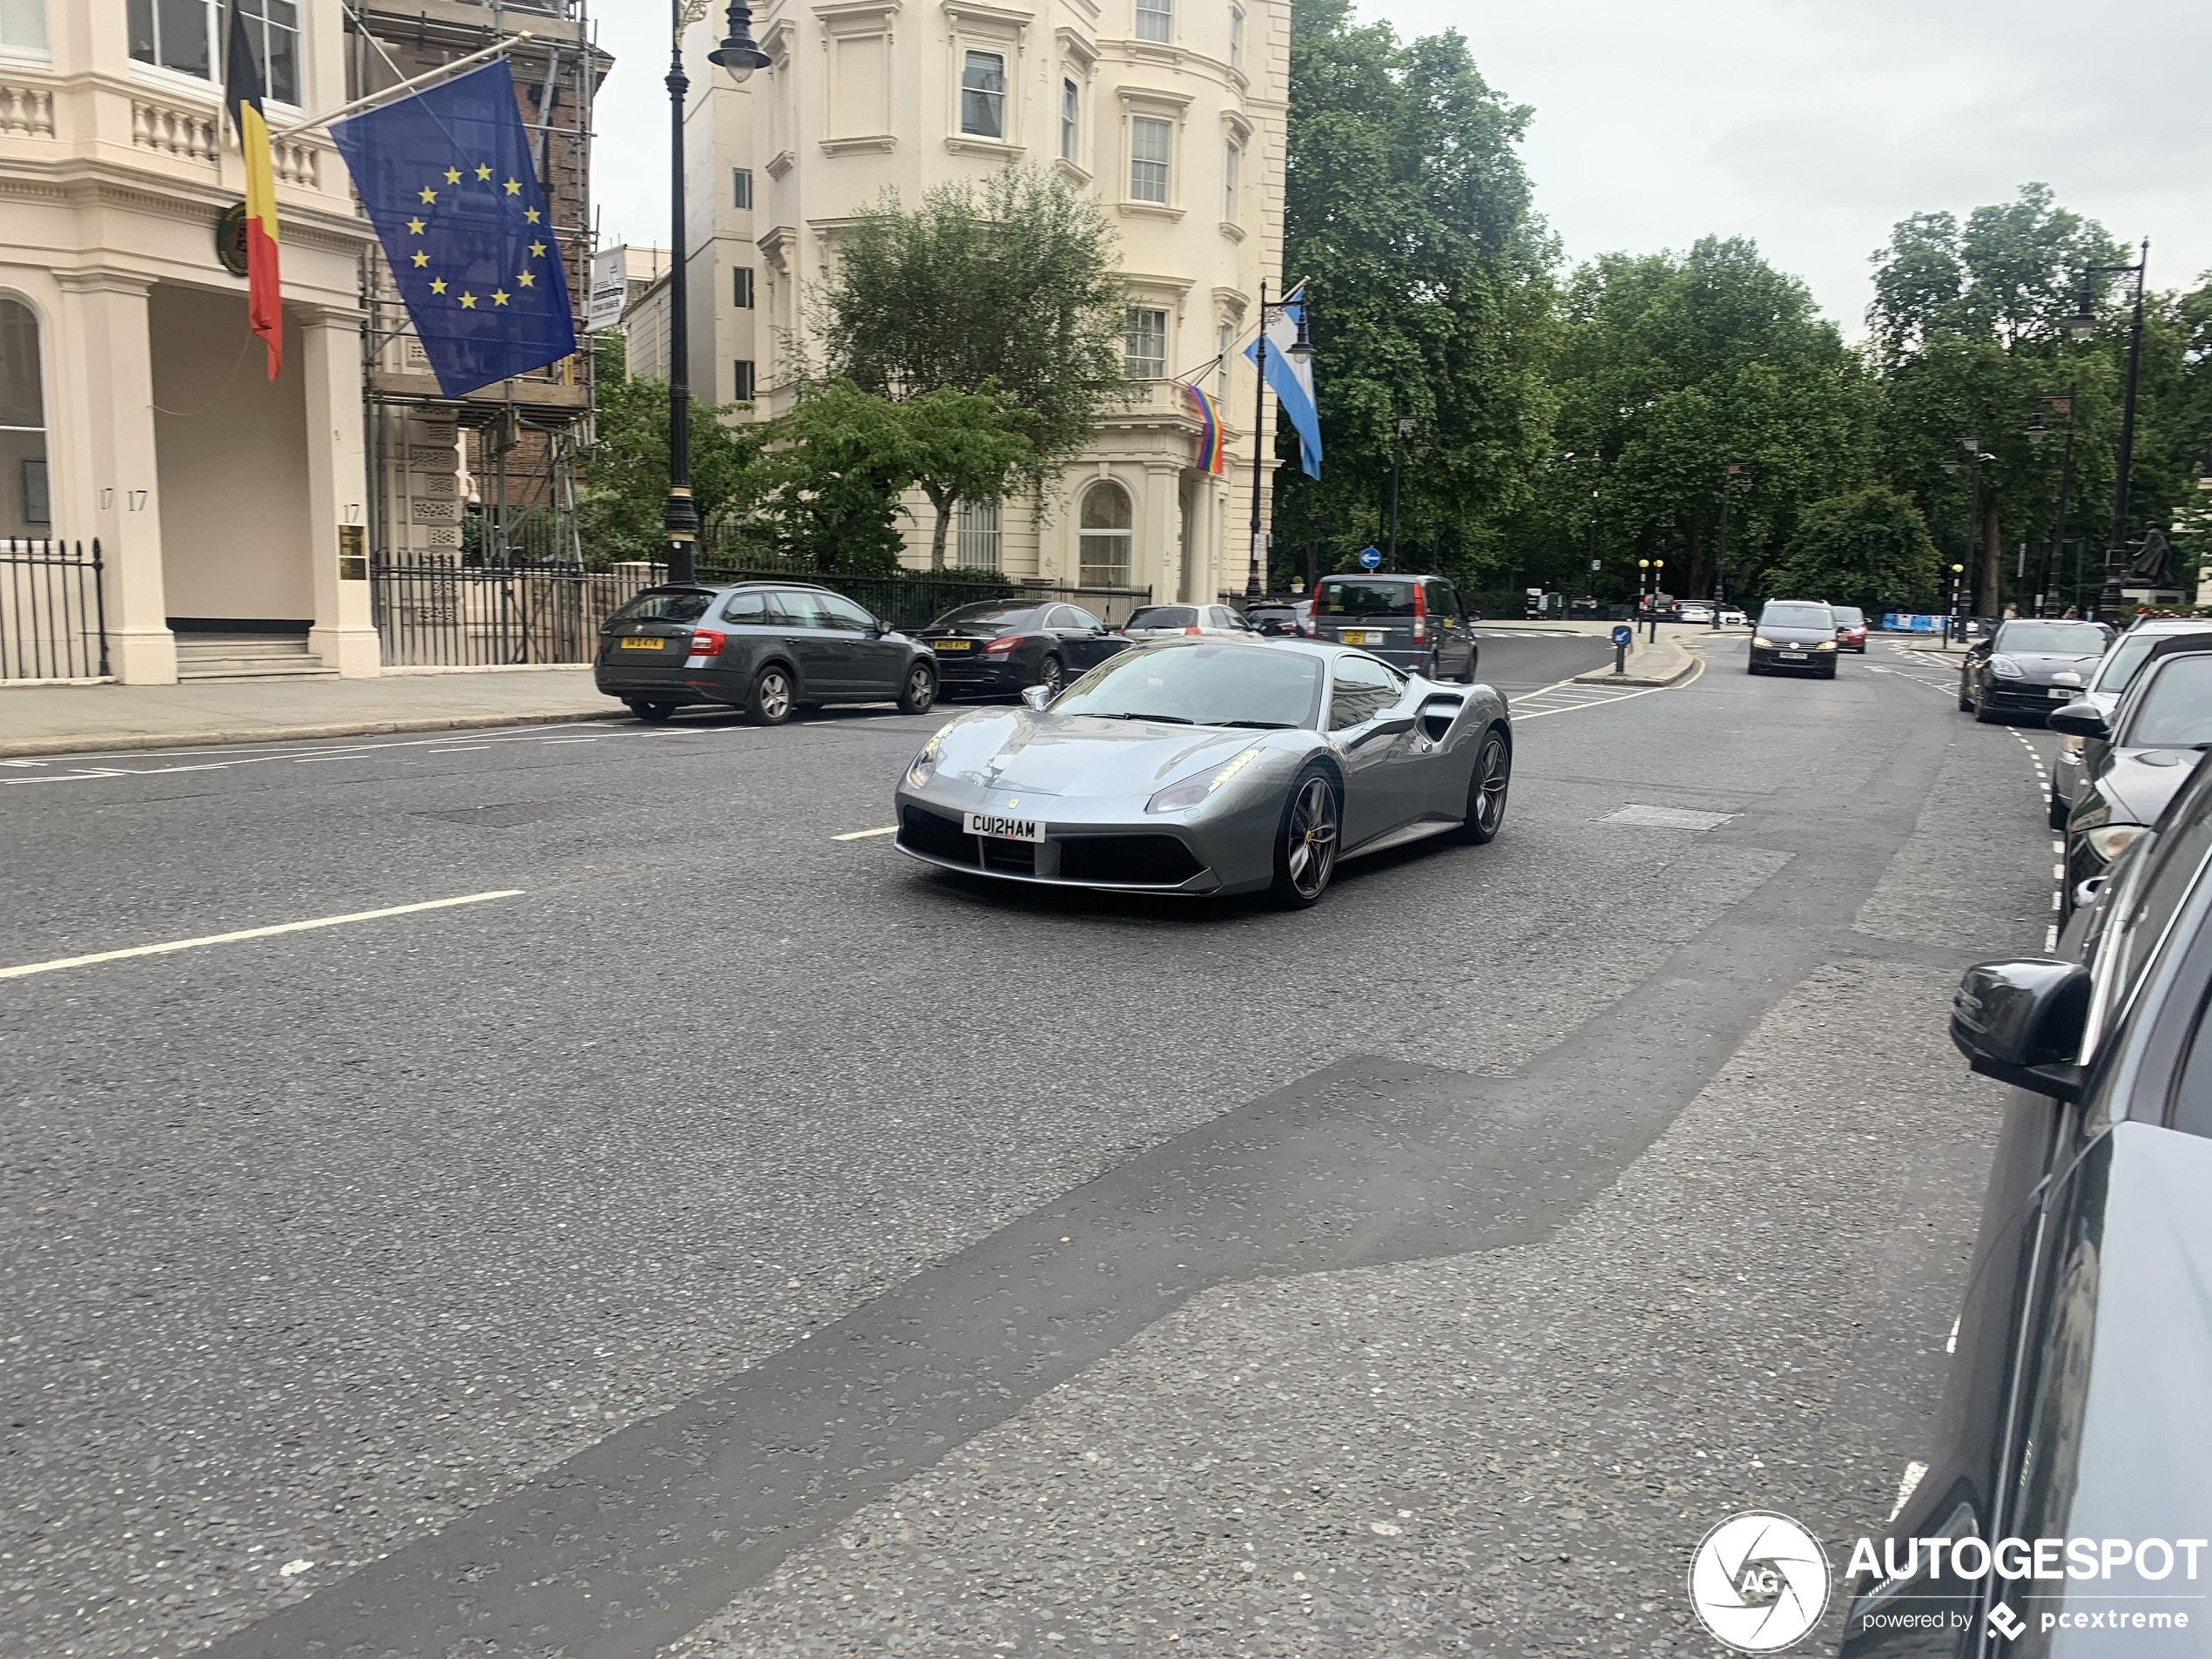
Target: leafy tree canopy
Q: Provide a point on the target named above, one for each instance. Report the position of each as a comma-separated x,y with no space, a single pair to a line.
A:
626,463
1869,548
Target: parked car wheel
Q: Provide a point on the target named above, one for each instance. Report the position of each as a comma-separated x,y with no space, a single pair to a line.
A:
919,691
1965,700
1984,715
1052,674
772,701
652,713
1486,790
1305,845
2059,811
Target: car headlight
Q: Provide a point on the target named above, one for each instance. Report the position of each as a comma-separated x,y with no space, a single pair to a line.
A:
1192,791
1826,644
2005,668
1762,642
2109,841
925,762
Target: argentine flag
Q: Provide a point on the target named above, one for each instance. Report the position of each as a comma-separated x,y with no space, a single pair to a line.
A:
1292,381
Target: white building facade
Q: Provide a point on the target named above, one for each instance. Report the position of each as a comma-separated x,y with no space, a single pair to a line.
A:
1171,111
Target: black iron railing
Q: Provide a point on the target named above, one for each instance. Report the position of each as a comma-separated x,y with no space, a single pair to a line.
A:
432,613
53,613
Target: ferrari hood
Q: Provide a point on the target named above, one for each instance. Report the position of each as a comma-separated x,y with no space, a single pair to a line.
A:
1080,754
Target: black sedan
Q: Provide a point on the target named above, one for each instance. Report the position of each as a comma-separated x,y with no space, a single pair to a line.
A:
2071,1495
768,648
2137,760
1275,619
1003,647
2028,667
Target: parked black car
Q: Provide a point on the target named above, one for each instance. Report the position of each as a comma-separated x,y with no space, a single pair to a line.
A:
1003,647
2137,760
1415,623
1276,618
1794,633
2028,667
2076,1405
764,647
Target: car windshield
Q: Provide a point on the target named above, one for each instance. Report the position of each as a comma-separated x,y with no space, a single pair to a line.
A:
2118,670
1847,616
1365,599
2176,712
997,614
1165,616
2055,638
664,607
1208,684
1796,616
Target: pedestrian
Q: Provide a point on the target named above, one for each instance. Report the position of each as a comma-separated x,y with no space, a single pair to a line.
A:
2073,614
2011,610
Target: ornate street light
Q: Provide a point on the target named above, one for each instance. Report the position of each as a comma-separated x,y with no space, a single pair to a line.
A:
738,52
2083,326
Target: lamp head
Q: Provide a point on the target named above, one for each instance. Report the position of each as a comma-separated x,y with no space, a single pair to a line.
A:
2036,430
2082,325
739,53
1950,464
1301,349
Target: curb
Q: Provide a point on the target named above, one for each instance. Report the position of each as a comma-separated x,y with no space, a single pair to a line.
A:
1607,677
109,743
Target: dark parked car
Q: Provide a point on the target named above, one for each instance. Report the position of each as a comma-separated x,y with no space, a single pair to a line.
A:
1275,619
2076,1410
1794,633
2029,667
1414,622
2116,671
1850,628
764,647
2137,760
1003,647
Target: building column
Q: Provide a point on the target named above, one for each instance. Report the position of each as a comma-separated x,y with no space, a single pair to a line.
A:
107,339
344,634
1155,528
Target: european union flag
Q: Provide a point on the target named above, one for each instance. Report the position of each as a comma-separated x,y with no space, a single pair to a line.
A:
446,178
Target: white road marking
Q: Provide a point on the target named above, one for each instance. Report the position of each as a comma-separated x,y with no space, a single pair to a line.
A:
2051,937
1915,1472
862,835
465,749
25,969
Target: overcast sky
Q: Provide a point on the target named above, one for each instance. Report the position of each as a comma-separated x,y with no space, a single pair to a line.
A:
1809,125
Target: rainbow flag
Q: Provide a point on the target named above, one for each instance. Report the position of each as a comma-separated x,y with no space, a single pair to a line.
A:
242,93
1213,451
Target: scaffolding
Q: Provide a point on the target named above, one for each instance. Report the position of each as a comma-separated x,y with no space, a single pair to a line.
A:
488,480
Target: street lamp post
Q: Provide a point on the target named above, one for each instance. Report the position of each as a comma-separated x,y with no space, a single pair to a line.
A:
739,55
1735,478
1299,350
1403,425
1974,457
2054,562
2083,326
1953,624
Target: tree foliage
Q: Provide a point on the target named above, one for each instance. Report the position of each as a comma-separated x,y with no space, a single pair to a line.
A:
1869,548
624,465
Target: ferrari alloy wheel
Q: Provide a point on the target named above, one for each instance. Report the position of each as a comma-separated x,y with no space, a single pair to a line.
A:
652,713
1052,676
1486,790
772,697
920,689
1306,850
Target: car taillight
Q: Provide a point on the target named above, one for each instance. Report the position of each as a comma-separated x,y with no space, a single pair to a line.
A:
707,642
1005,644
1421,613
1194,631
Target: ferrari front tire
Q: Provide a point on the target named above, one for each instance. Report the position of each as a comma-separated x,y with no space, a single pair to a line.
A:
1487,789
1305,844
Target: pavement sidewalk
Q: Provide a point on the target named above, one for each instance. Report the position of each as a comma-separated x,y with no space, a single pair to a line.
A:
70,719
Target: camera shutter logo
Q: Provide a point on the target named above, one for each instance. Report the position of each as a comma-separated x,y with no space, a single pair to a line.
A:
1759,1582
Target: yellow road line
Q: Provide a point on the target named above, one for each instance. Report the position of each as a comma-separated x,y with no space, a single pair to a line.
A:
27,968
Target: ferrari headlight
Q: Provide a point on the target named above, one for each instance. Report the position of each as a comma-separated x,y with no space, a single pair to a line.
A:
2005,668
1192,791
925,762
2110,841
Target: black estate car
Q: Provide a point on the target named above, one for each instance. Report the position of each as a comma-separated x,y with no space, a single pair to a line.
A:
2070,1492
766,647
1004,646
1415,623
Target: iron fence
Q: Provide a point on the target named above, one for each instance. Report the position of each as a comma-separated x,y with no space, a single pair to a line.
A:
53,613
436,613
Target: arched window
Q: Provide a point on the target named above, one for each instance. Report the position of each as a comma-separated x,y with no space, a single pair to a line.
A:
25,509
1106,521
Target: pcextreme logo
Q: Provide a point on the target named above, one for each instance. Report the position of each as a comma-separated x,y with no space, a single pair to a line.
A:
1759,1582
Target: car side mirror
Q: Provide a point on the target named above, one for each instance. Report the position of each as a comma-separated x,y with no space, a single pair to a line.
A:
2021,1023
1037,697
2078,719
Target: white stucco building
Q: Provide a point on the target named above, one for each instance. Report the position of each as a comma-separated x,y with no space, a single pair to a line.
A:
1171,110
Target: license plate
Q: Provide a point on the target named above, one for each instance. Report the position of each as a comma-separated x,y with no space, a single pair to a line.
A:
1352,636
1005,829
1791,656
639,642
951,644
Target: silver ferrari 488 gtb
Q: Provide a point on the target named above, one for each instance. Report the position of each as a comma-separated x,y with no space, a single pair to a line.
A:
1210,765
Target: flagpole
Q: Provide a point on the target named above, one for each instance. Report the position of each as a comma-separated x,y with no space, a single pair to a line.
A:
362,102
679,515
1252,588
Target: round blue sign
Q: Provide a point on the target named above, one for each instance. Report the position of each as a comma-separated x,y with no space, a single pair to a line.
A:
1370,557
1624,635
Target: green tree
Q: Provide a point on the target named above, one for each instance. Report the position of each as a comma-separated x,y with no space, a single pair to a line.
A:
831,477
1870,548
625,462
1428,274
1002,292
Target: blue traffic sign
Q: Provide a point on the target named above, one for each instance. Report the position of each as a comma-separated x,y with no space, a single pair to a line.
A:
1370,557
1624,635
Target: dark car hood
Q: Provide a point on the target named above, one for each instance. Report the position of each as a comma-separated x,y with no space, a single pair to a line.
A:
1794,637
2037,667
1044,753
2139,782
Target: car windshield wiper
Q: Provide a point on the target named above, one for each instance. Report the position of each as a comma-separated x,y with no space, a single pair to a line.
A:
1170,720
1256,725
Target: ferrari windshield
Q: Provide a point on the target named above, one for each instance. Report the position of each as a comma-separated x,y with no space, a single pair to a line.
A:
1208,684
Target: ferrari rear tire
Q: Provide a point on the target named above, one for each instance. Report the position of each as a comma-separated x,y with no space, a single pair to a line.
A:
1487,786
1305,844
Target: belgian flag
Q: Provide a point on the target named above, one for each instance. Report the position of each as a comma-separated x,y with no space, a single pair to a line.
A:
242,93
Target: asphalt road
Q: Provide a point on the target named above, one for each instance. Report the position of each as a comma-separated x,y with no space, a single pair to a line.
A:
735,1239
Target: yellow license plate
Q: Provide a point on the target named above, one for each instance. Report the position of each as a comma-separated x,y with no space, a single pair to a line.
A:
953,644
1353,637
639,642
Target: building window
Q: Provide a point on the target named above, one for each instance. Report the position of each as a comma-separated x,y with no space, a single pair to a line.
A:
1232,164
180,35
741,385
1224,342
23,24
982,94
741,189
1236,36
977,522
741,286
1156,19
24,508
1071,115
1150,146
1144,343
1102,546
